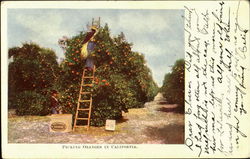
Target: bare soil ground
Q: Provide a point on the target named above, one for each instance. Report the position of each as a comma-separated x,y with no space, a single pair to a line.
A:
157,123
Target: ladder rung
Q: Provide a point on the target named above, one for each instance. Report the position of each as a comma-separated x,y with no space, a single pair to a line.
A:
83,109
82,119
88,77
85,92
81,126
88,85
84,100
89,71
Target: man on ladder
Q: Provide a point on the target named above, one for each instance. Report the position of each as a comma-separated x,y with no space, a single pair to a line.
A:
87,49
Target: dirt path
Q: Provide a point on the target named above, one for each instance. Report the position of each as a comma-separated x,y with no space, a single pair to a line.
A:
157,123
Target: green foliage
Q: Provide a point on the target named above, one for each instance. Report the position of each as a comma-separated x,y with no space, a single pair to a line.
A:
31,103
173,84
34,69
122,79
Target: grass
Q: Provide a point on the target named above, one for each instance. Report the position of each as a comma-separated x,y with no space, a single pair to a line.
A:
29,118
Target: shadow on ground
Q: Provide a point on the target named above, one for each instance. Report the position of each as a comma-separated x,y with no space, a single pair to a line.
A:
122,120
169,134
179,110
162,102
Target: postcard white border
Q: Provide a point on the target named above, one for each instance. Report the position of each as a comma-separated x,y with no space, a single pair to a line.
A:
55,150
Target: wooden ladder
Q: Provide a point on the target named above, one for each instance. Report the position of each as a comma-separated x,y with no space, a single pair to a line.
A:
80,100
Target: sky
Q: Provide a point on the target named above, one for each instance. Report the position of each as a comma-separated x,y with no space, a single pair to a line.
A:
158,34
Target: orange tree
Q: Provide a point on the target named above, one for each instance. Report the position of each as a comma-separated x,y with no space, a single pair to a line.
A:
122,79
32,74
173,84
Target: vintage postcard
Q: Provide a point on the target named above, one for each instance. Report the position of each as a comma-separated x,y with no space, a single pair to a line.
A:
125,79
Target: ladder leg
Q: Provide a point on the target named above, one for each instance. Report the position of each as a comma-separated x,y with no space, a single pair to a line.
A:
91,100
89,115
78,104
76,116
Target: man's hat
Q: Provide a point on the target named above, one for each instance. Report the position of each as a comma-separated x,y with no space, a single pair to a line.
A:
94,28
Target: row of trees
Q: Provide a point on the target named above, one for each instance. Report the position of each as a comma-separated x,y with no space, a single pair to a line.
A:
173,85
122,79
